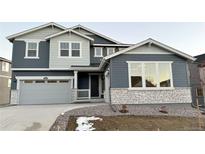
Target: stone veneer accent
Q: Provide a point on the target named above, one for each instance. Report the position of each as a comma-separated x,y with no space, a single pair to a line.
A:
126,96
14,96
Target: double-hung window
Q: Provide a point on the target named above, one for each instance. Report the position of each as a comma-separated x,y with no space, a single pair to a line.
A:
64,49
31,50
110,51
70,49
98,52
75,49
150,75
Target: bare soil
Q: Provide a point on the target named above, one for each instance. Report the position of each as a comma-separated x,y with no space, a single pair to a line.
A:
142,123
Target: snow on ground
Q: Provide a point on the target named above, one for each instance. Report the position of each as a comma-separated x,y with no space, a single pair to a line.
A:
84,123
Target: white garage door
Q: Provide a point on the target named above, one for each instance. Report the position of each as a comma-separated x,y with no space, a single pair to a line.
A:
45,92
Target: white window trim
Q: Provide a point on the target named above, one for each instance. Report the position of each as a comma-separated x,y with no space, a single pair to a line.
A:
101,49
37,51
143,76
70,49
5,69
108,51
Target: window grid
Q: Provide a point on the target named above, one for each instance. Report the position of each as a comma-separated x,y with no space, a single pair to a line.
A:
144,76
73,49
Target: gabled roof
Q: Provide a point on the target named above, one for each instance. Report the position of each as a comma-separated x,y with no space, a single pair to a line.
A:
152,41
11,37
69,30
94,32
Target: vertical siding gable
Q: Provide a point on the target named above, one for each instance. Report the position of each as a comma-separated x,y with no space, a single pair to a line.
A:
41,33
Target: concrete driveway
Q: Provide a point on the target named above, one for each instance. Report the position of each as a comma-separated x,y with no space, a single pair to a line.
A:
33,117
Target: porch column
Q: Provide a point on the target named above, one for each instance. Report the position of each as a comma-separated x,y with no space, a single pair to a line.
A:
75,79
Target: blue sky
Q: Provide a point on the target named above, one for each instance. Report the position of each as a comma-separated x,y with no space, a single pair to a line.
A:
187,37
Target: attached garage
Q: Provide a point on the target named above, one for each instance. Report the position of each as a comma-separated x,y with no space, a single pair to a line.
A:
45,92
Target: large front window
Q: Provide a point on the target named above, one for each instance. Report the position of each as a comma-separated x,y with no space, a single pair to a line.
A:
150,74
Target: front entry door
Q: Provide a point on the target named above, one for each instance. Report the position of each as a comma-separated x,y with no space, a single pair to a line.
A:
94,86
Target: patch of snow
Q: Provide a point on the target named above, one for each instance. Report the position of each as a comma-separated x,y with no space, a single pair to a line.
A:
84,123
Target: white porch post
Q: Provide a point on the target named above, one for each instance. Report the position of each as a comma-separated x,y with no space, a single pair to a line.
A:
76,79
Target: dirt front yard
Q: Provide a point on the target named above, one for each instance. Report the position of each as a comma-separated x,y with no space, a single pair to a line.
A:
142,123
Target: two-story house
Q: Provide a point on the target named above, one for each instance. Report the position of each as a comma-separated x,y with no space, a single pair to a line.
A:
5,80
54,64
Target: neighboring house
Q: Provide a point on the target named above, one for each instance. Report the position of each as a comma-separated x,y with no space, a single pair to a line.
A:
54,64
197,70
5,80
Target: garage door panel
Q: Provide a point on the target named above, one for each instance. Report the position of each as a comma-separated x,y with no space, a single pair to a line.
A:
45,93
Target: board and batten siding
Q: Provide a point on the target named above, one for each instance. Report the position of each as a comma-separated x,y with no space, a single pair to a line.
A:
119,68
57,62
40,34
18,60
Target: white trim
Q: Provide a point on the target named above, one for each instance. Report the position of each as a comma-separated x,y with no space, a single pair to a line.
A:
143,75
101,50
156,43
66,31
108,51
35,29
42,77
53,69
70,49
113,45
4,76
149,62
37,49
103,36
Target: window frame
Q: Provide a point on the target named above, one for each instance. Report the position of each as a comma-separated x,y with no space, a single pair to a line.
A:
5,66
143,75
70,49
37,50
108,51
101,49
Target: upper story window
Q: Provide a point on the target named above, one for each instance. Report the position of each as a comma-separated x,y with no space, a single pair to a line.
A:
98,52
110,51
5,67
75,49
70,49
64,49
150,75
32,50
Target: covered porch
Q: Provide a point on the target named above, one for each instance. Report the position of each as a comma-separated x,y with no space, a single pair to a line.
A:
88,87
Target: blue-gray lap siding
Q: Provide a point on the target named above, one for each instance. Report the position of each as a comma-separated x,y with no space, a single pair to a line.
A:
119,68
19,49
37,73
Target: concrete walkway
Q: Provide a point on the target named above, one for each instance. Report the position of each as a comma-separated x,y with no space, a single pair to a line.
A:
34,117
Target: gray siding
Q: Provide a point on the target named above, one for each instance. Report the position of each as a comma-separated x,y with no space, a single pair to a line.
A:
58,62
97,60
19,49
119,68
38,73
100,40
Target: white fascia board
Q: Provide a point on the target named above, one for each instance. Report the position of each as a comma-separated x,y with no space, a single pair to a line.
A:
37,69
156,43
69,30
94,32
42,77
34,29
113,45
